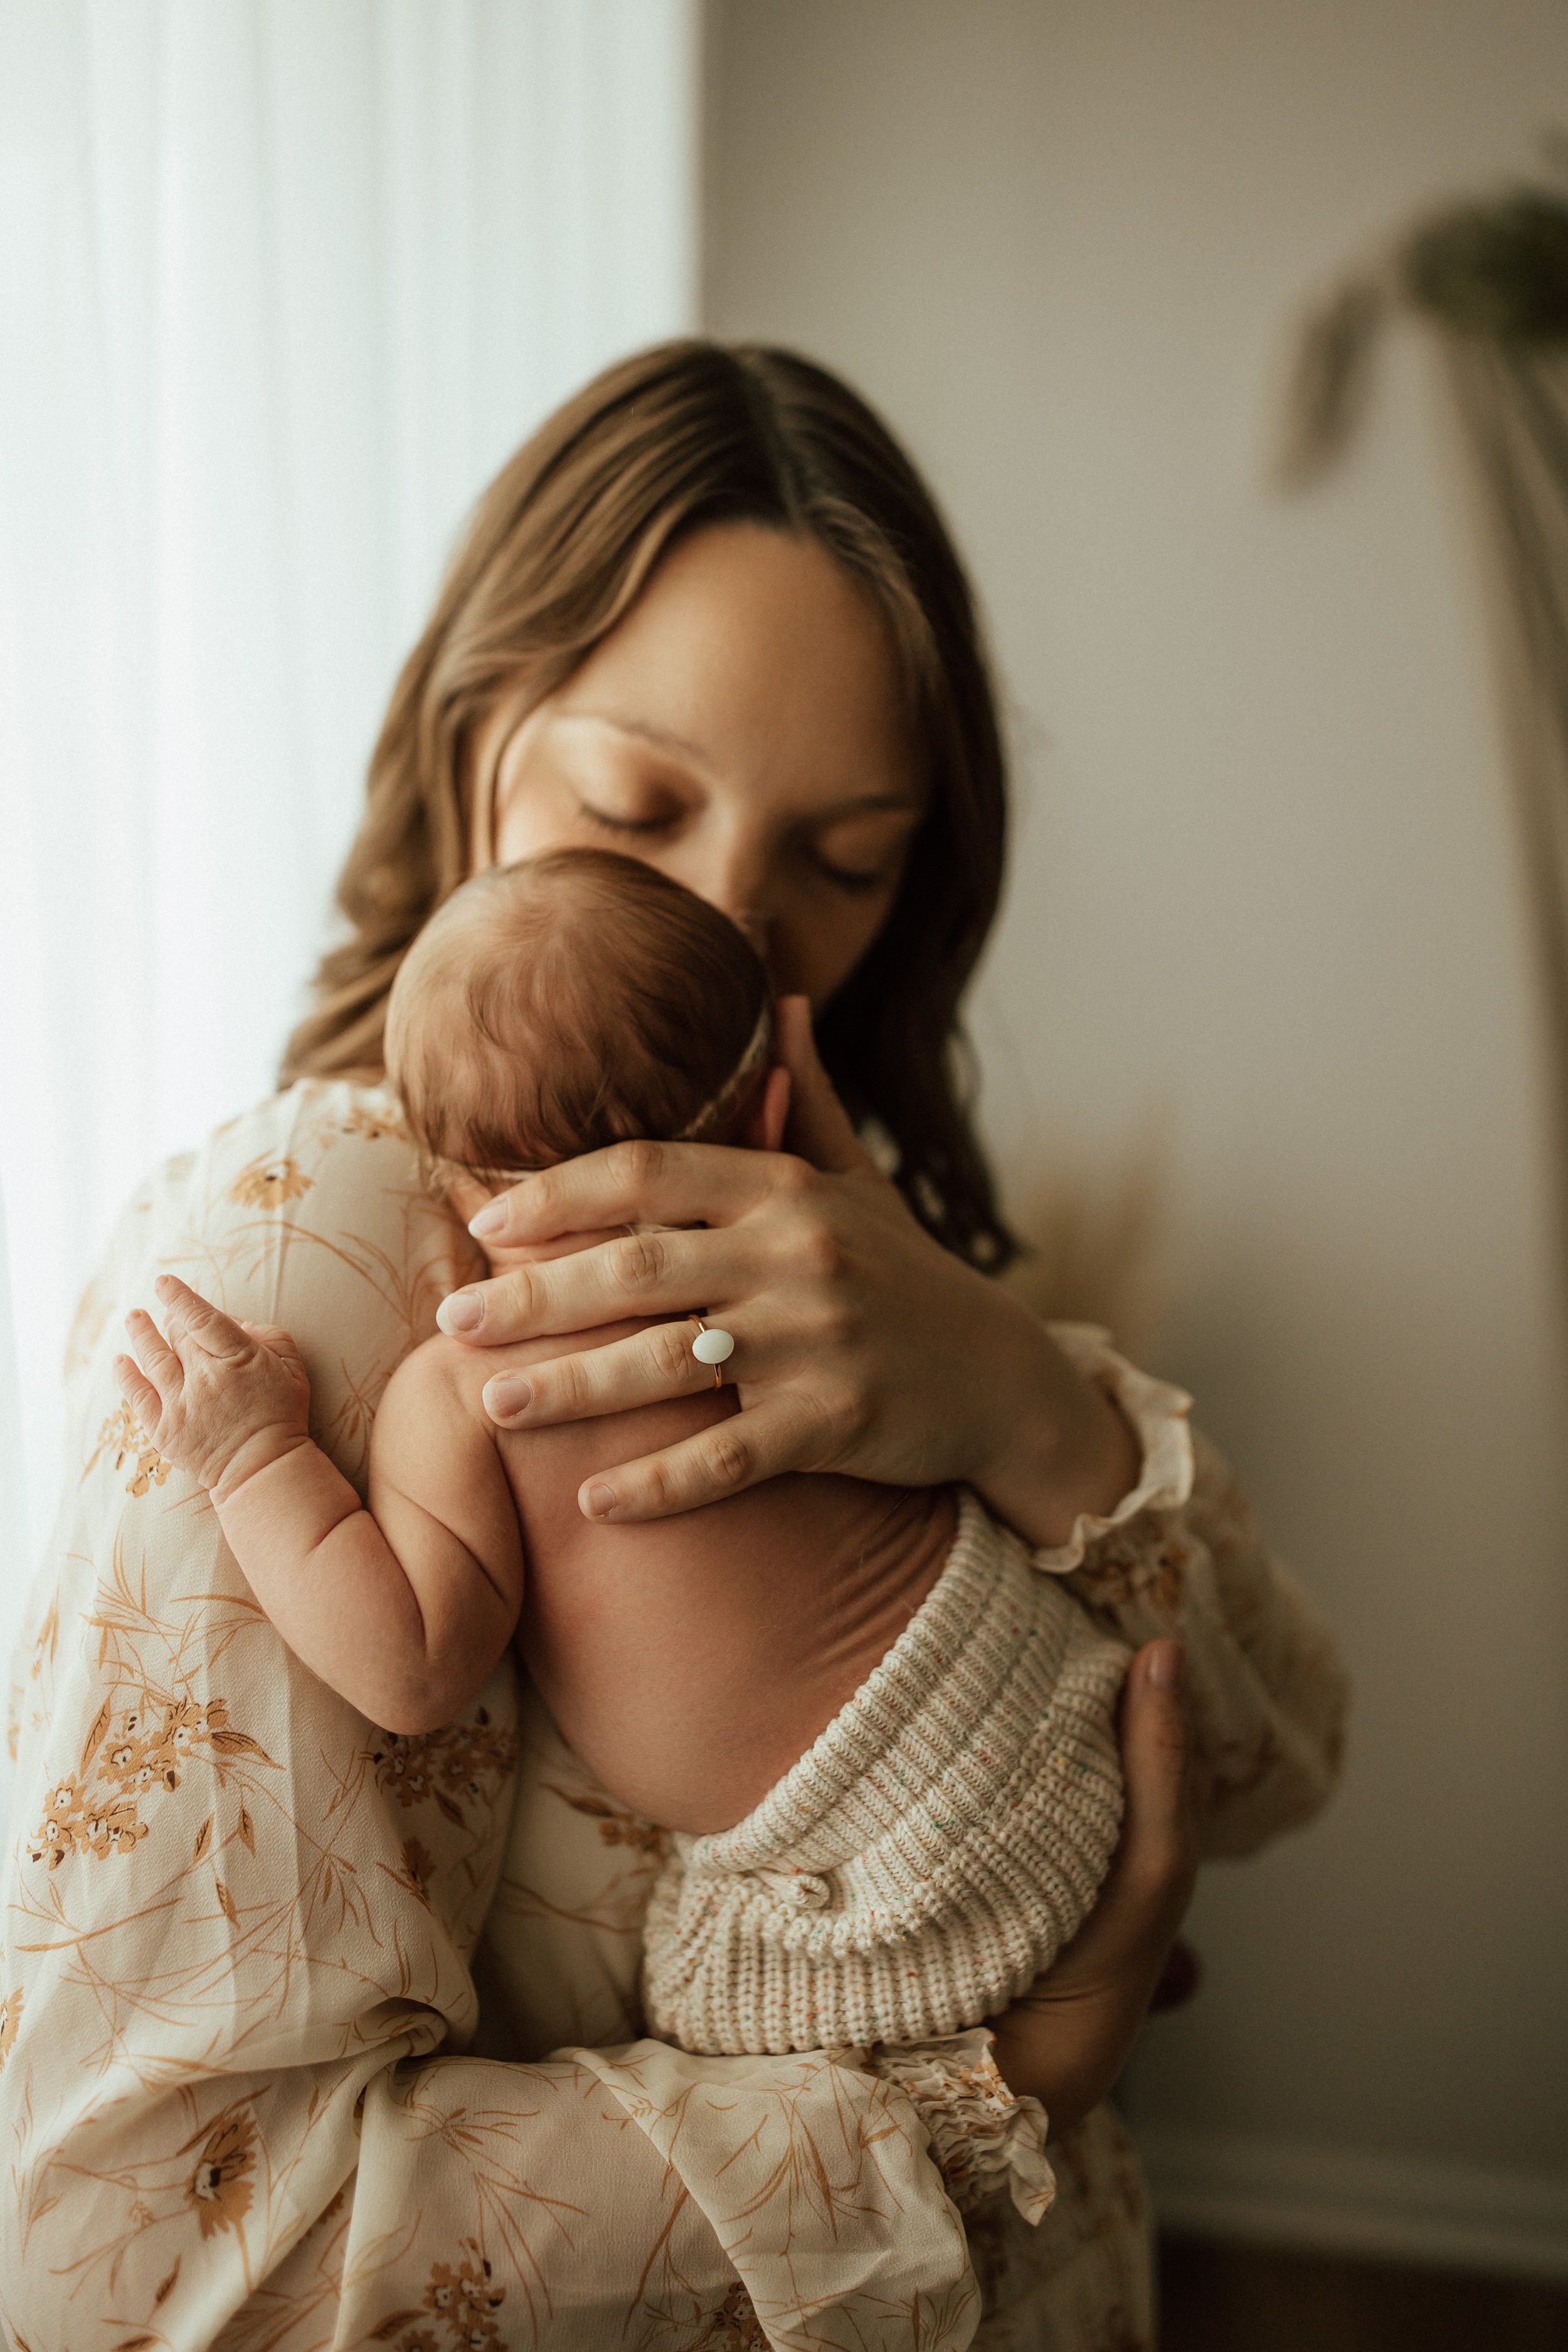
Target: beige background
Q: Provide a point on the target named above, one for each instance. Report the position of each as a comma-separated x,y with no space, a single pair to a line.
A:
1264,886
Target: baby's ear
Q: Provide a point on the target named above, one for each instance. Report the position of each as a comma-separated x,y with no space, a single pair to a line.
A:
763,1126
464,1193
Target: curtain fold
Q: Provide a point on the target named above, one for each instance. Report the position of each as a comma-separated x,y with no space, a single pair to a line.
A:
282,282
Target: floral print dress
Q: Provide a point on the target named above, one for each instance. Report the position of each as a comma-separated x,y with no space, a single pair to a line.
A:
311,2036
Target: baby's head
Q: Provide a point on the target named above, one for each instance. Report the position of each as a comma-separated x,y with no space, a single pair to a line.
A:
572,1001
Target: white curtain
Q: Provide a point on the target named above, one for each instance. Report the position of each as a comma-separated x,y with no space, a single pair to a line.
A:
281,283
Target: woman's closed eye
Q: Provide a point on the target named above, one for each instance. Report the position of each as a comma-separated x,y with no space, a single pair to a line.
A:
865,851
660,821
855,880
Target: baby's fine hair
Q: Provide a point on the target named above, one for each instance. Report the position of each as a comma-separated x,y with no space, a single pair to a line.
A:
574,1000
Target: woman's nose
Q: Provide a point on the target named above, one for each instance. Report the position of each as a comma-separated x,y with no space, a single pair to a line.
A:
736,882
756,922
757,927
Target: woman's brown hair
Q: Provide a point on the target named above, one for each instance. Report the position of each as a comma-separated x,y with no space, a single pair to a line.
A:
558,548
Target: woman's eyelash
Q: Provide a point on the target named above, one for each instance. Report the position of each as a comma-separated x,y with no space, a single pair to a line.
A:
844,877
624,824
847,876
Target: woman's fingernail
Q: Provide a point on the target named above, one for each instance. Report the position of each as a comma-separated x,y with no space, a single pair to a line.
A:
491,1219
505,1397
601,1502
464,1311
1168,1666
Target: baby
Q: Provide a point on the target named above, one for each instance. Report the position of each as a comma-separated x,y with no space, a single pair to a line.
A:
883,1744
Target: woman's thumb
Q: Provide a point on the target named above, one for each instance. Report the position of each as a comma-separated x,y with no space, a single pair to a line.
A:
1160,1825
819,1128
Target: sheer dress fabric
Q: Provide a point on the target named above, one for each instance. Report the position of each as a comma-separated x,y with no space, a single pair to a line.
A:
312,2036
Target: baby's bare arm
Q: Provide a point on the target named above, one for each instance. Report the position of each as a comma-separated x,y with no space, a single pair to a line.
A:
403,1609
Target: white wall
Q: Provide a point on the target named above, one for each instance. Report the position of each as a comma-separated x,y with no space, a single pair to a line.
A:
1264,880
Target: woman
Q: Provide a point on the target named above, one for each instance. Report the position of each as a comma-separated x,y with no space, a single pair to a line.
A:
709,614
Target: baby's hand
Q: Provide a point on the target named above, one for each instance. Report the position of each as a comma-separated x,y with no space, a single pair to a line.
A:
219,1399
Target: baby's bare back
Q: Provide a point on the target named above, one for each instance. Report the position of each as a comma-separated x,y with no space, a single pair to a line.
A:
691,1661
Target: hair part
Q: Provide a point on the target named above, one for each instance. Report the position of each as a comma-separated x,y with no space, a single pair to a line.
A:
557,549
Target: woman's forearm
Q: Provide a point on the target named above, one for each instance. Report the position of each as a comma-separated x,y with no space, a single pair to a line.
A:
1063,1445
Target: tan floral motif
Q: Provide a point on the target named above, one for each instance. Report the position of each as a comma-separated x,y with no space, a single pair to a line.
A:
462,2299
10,2019
220,2189
270,1184
417,1870
734,2326
130,1755
1144,1561
47,1641
462,1763
617,1826
378,1117
123,1436
79,1821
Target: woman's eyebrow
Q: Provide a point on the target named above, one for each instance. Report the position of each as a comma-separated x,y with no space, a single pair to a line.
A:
891,803
663,738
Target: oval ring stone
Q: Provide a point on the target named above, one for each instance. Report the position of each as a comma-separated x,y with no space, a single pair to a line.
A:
714,1346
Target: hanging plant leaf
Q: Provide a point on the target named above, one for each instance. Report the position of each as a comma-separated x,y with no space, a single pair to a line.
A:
1499,269
1328,382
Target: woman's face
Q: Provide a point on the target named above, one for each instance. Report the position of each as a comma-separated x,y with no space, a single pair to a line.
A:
740,730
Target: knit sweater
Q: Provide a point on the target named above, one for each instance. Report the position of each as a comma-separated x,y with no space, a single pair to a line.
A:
933,1850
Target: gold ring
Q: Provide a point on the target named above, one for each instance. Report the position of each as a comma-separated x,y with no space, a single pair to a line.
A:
720,1349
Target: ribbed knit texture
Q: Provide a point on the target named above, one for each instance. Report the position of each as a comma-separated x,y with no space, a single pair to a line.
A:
933,1852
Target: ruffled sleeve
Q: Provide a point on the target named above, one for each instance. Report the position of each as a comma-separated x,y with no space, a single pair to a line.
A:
1158,1415
1182,1554
983,2141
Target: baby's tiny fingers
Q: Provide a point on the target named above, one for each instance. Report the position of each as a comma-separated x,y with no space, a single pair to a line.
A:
139,1393
192,1317
154,1356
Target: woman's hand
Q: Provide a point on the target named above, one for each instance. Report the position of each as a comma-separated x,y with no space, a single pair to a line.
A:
862,1345
1065,2041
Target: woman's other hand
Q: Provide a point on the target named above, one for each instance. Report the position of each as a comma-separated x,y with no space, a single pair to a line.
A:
1067,2039
862,1345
